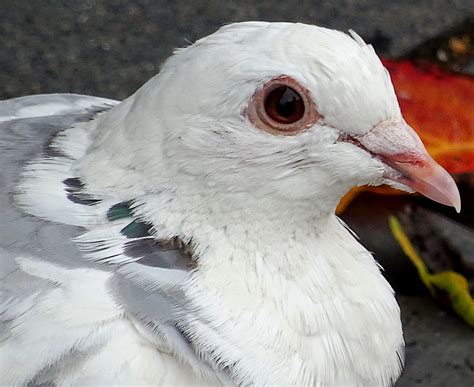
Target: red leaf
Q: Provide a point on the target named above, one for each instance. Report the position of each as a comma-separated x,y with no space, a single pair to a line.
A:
440,107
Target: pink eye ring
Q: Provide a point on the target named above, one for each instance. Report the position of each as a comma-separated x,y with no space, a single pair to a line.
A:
282,107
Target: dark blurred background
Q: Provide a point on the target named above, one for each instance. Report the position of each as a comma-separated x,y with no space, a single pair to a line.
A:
110,48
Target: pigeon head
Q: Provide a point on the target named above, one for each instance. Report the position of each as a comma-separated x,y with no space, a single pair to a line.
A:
283,111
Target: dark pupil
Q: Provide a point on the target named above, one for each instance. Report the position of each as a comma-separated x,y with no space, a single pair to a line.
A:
284,105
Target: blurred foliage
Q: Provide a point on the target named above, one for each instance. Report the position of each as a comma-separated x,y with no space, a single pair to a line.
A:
448,287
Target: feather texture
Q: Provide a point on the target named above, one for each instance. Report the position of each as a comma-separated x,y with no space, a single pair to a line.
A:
171,242
43,273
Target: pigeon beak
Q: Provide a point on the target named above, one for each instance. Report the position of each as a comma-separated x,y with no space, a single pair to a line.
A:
399,147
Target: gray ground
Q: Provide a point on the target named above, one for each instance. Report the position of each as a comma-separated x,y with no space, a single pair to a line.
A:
109,48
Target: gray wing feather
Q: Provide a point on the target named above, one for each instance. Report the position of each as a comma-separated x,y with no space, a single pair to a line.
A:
147,287
23,139
48,105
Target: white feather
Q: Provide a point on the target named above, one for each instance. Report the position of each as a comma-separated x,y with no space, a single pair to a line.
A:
283,293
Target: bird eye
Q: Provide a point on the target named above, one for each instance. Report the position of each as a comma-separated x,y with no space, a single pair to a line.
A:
282,106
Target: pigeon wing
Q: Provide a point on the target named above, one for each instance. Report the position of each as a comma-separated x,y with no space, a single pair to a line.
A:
27,127
67,283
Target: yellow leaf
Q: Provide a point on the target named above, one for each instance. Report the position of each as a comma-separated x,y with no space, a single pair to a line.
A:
449,282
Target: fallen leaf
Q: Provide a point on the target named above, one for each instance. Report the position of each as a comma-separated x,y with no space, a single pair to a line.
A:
440,265
439,106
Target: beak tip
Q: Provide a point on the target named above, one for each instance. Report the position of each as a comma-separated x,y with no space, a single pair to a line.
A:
457,203
450,189
432,181
444,190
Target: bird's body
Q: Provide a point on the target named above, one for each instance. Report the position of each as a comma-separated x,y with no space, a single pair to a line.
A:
176,240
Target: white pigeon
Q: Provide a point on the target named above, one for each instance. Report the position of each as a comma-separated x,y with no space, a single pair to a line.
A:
187,235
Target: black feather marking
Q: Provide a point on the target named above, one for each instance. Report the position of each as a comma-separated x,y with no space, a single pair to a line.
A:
49,150
137,229
142,247
169,254
93,111
74,188
76,198
73,183
120,211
